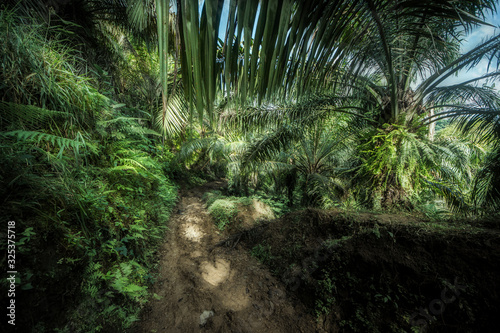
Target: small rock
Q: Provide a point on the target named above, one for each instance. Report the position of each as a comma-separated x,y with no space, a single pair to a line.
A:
205,316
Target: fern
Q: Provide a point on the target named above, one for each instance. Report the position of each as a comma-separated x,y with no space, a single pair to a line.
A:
28,116
57,141
125,125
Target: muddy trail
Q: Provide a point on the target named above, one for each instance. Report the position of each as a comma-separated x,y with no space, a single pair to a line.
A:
205,287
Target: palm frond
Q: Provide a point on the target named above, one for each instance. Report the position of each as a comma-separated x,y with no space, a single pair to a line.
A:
453,196
174,116
488,49
486,189
485,121
271,143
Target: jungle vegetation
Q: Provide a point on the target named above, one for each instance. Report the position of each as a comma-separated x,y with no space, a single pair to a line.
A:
105,106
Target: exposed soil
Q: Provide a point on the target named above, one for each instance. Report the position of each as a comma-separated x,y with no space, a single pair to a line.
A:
386,273
233,291
324,271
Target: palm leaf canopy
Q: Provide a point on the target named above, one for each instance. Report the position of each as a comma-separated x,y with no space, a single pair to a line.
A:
286,49
249,51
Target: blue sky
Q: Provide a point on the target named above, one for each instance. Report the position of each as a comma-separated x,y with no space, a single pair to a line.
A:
474,38
483,32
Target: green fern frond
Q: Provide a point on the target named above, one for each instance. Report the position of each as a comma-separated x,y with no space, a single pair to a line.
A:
120,119
123,168
28,116
57,141
130,162
121,127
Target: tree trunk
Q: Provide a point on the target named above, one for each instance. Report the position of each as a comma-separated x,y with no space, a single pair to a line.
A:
432,126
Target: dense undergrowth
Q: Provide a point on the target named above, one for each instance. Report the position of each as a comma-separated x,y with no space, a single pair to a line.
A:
85,180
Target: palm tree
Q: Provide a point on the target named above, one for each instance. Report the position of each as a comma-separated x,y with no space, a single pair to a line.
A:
397,78
302,147
375,50
291,47
371,53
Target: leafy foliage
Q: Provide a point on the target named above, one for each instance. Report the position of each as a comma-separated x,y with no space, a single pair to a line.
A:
85,181
301,103
223,211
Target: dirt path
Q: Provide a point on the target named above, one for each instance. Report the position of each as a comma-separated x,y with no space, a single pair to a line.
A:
228,286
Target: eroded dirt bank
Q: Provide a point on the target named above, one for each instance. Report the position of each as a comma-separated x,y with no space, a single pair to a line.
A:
325,271
365,272
229,289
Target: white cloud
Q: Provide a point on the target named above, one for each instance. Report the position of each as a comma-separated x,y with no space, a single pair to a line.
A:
477,36
473,39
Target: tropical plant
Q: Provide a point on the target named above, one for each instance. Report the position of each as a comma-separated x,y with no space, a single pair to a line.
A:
310,158
83,178
385,60
397,78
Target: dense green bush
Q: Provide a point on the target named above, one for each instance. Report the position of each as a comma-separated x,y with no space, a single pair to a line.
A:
85,181
223,212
